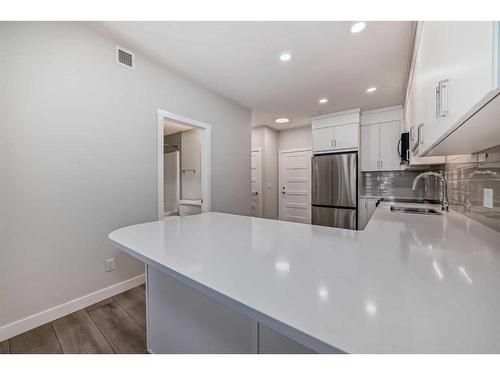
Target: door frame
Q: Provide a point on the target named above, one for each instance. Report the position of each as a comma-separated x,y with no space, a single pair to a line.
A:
280,178
260,150
205,157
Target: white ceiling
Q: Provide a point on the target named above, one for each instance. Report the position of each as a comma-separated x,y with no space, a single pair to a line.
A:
240,60
173,127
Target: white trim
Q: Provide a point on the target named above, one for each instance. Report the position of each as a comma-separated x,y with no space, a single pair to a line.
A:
296,149
205,157
148,345
333,114
384,109
22,325
261,152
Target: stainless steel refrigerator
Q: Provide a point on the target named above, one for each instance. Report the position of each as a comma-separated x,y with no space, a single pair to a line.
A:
335,190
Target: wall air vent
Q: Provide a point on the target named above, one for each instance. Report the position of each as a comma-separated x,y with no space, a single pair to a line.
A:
125,57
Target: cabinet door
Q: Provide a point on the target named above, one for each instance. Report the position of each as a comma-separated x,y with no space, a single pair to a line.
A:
370,147
469,66
389,138
322,139
367,207
346,136
363,213
432,48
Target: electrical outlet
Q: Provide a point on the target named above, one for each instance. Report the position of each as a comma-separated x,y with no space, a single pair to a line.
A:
488,198
382,186
110,264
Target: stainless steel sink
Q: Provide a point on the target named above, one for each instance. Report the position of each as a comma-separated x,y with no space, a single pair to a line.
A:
416,210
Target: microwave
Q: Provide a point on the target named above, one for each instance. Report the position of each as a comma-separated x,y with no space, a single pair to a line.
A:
404,148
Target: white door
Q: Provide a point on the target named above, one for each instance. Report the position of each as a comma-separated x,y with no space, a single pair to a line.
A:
346,136
322,139
256,182
390,134
370,147
295,185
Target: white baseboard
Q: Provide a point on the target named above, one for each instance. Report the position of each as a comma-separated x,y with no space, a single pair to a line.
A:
22,325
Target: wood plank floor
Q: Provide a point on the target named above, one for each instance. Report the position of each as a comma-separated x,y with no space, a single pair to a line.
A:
115,325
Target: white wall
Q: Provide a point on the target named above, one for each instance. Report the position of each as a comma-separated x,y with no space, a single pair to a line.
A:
78,150
267,138
295,138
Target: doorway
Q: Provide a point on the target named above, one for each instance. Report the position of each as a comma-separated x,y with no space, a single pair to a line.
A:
188,185
256,182
295,185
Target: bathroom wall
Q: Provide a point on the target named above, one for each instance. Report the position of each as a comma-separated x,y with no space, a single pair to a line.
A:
191,164
468,176
171,182
78,159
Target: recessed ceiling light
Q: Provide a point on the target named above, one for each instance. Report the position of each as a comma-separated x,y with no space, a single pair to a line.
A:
323,101
371,89
282,120
285,56
357,27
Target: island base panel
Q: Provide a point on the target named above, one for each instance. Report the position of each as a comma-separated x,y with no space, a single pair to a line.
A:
182,320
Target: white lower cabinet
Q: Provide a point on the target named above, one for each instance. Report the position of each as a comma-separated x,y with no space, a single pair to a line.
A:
367,207
182,320
272,342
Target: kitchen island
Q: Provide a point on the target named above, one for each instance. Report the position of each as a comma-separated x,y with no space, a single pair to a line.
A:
408,283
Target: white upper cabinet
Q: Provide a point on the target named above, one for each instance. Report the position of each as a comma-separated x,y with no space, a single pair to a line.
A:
370,147
322,139
336,132
346,137
453,89
380,135
390,134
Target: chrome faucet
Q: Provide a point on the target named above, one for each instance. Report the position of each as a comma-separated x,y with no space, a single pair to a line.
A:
444,191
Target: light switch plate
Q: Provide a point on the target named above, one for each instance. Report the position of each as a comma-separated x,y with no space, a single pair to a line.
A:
488,198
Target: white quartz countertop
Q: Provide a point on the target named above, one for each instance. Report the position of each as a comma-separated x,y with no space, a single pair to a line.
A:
408,283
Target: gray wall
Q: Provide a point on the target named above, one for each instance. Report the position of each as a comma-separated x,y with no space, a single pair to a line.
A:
78,159
295,138
267,138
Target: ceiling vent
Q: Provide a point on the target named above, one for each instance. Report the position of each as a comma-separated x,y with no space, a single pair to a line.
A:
125,57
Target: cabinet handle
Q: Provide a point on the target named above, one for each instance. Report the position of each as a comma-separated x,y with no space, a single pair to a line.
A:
442,96
334,143
420,136
381,164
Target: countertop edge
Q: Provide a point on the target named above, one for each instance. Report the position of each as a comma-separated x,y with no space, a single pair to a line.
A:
273,323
